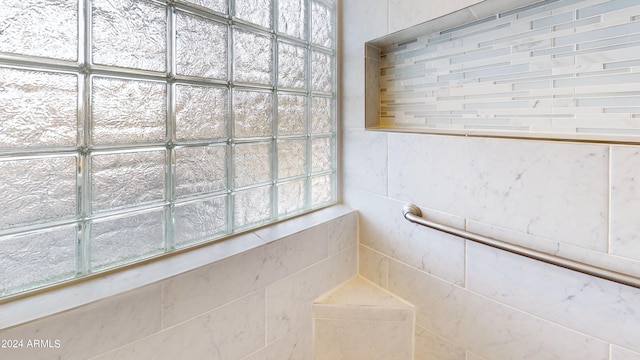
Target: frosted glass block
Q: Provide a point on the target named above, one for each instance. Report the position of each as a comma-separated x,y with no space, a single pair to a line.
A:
321,190
47,28
127,179
321,72
252,207
291,158
46,117
37,190
30,260
291,114
252,163
201,47
321,154
252,113
199,221
252,57
291,197
200,169
321,115
129,34
215,5
128,111
321,25
292,70
254,11
125,239
291,17
201,112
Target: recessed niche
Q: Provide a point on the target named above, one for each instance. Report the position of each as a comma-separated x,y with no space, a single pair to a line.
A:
553,70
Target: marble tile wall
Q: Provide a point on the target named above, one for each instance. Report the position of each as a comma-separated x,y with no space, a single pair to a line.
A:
577,200
253,305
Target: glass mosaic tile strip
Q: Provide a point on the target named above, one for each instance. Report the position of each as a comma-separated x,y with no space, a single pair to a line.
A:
513,71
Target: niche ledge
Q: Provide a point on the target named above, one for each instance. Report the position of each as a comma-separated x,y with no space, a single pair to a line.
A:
525,69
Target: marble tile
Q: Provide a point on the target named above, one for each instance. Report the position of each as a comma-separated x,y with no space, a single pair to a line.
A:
92,329
352,89
625,201
296,345
557,191
289,301
343,233
362,340
362,20
384,229
593,306
472,356
203,289
364,160
295,225
587,256
373,265
485,327
229,332
623,354
404,14
432,347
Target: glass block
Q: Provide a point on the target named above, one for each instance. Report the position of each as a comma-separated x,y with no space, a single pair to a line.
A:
127,179
200,169
254,11
251,207
37,190
201,112
252,57
129,34
199,221
292,70
127,238
321,72
321,25
321,115
291,18
40,28
215,5
321,154
31,260
291,157
201,47
128,111
291,197
252,163
321,190
292,114
252,113
47,117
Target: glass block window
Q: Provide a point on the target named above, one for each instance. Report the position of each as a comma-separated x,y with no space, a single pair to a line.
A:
133,128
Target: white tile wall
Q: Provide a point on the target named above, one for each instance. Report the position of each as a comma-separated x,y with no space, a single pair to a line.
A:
574,199
489,328
625,201
557,294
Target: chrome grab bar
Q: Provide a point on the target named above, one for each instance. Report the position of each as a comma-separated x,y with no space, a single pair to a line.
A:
414,214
